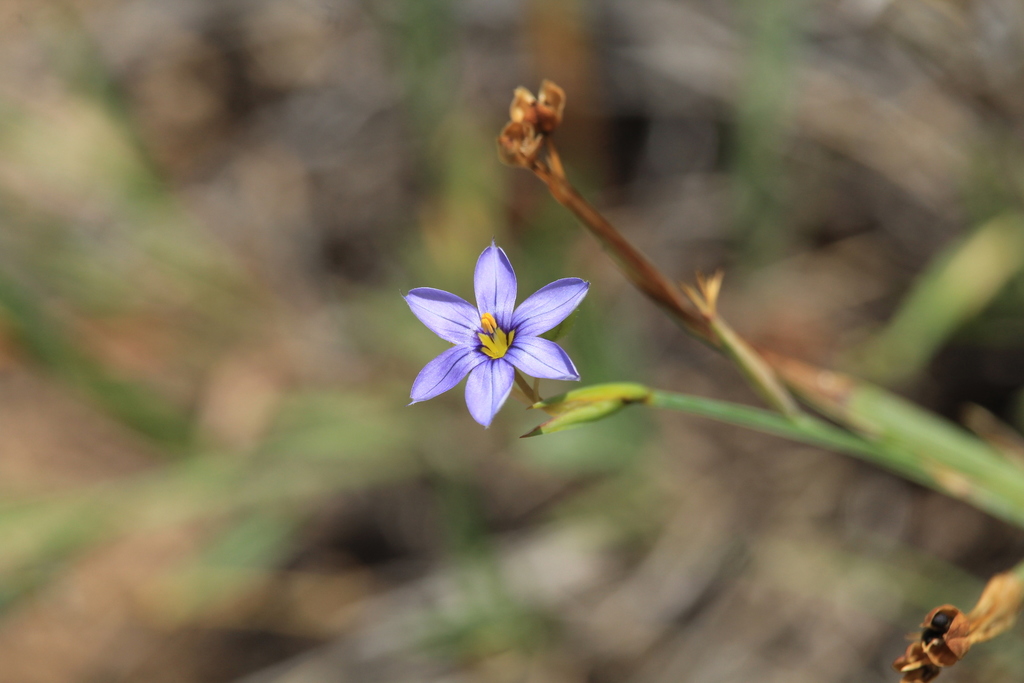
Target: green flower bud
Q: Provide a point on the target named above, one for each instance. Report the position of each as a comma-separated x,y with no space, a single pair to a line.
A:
590,404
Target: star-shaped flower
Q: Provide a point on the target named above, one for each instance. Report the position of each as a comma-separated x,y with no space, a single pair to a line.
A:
495,338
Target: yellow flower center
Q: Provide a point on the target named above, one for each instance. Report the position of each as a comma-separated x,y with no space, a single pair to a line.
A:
495,342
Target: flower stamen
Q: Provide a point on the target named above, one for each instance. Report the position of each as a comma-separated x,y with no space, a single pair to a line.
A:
495,345
488,322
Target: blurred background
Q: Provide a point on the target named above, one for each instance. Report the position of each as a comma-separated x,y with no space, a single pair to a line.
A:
209,210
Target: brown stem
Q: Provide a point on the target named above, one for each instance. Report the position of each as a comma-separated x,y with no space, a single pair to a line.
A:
554,159
637,267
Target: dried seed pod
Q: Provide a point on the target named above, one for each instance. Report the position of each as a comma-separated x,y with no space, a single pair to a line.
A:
544,112
519,144
524,107
947,633
944,638
550,107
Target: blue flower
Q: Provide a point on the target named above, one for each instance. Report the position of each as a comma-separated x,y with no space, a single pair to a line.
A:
495,338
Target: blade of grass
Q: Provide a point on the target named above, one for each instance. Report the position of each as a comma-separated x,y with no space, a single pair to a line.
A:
974,475
958,286
763,110
136,406
880,415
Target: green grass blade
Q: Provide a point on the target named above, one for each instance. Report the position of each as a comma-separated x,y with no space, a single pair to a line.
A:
956,288
988,482
133,404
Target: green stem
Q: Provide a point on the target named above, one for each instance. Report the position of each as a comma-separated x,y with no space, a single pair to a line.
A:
997,489
529,391
760,375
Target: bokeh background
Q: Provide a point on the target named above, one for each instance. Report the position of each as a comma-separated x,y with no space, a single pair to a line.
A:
209,210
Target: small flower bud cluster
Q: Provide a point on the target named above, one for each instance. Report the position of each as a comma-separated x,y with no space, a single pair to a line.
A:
531,119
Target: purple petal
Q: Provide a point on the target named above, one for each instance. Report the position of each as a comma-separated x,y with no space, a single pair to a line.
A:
488,386
495,285
541,358
549,306
444,372
450,317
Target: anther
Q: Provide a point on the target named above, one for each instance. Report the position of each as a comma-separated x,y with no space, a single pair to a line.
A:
494,345
488,322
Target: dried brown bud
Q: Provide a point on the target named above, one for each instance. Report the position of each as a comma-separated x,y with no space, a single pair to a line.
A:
519,144
544,113
705,297
948,633
524,107
550,106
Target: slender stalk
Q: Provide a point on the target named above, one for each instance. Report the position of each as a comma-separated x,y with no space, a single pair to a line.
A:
757,371
555,160
518,395
806,429
635,265
530,392
993,486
